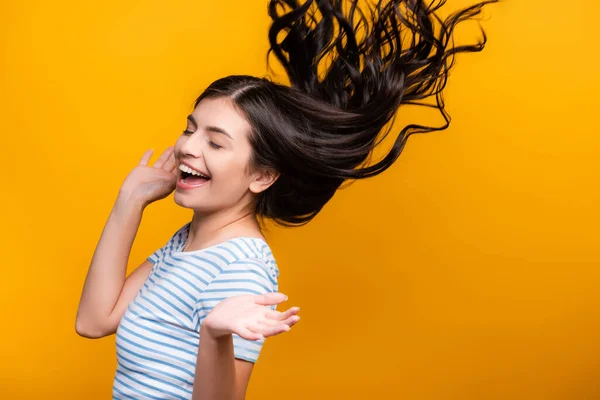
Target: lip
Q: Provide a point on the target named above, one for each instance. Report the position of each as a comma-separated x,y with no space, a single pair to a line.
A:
186,186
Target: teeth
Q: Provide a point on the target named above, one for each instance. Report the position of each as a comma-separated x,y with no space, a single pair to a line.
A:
188,170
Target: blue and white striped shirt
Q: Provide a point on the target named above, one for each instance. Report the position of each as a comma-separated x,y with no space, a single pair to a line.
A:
158,336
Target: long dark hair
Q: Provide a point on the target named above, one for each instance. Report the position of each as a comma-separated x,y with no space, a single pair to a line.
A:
350,70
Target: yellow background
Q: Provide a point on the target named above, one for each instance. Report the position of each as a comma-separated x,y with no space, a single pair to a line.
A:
470,270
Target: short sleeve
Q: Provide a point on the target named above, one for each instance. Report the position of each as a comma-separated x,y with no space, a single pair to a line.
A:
177,237
246,276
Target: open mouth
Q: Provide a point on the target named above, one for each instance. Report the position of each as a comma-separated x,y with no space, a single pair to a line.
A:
192,177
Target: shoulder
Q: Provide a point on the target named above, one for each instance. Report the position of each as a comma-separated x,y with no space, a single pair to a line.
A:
245,275
255,254
254,268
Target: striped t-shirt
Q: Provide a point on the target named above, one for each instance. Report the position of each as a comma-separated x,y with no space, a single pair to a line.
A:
158,336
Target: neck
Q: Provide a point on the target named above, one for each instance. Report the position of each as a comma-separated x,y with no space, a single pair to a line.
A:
211,229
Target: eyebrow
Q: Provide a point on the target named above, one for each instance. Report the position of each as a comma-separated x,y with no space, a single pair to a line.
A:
210,127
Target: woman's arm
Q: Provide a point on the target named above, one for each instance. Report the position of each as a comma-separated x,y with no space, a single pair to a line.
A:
218,374
104,283
106,274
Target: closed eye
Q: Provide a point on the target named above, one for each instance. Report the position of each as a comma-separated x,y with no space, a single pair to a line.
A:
214,145
210,142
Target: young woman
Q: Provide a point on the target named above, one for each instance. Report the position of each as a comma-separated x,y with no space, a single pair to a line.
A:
191,319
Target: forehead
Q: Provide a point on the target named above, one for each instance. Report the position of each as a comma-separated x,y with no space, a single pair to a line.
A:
220,112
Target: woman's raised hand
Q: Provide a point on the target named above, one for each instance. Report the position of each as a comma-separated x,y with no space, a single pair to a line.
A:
147,184
249,317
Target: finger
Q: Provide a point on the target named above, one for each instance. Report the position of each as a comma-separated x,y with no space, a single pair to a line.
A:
269,299
249,335
280,316
146,157
267,331
163,157
268,322
275,330
291,321
170,163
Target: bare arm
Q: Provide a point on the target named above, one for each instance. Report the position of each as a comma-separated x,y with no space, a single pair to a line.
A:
106,293
106,275
218,374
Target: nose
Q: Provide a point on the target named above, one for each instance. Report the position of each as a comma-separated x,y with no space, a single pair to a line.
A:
192,146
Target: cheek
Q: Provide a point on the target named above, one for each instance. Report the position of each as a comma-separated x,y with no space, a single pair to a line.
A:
230,171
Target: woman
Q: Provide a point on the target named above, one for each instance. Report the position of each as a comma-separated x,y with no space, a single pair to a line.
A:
191,320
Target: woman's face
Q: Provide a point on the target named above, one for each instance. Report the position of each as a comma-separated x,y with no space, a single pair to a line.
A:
213,157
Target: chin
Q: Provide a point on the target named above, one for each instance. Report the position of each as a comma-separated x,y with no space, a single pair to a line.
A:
182,201
194,204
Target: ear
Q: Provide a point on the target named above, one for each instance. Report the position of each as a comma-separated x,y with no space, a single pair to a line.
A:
262,180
